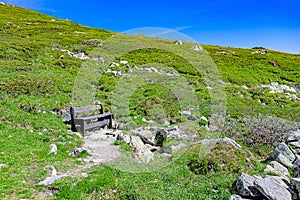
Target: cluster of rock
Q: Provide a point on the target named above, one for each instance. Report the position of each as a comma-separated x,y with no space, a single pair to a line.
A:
278,184
227,52
146,69
196,47
147,142
275,87
79,55
260,51
155,70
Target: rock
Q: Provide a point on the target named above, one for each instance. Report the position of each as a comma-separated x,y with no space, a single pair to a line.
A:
276,168
186,112
283,155
293,136
173,132
123,137
229,51
123,62
53,149
3,166
178,42
237,197
189,115
245,87
296,184
272,189
174,148
144,157
117,73
144,119
81,56
274,63
137,143
78,151
114,64
283,160
50,180
274,87
296,168
192,118
295,144
245,186
66,117
114,124
147,137
204,118
260,51
197,48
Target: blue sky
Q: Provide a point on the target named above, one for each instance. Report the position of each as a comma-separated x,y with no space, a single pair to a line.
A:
271,24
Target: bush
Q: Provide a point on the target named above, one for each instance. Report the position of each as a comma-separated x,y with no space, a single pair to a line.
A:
257,131
222,158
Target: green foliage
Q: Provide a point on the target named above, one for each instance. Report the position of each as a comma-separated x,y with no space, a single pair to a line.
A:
221,158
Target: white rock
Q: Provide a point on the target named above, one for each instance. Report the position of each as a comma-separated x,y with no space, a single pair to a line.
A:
204,118
178,42
293,136
197,48
137,143
271,188
114,64
123,62
3,166
283,155
276,168
53,149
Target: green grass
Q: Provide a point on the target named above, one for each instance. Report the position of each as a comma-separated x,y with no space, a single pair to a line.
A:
34,80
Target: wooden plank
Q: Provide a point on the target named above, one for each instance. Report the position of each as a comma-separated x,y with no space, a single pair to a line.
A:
101,116
87,108
97,124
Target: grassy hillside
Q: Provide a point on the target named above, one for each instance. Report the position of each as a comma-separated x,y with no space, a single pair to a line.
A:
37,78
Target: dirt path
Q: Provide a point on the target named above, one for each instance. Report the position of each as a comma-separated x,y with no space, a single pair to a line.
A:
100,147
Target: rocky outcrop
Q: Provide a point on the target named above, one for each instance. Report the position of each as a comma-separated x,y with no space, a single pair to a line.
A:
275,87
278,184
260,51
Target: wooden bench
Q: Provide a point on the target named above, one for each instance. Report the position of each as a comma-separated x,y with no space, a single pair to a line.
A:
88,117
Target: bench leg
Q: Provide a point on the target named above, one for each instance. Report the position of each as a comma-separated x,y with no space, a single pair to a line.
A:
82,128
110,122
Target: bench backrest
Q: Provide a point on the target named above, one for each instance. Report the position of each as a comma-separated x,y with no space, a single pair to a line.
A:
85,110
